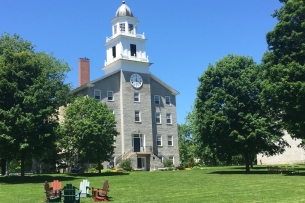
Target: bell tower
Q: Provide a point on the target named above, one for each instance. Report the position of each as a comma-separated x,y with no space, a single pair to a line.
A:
126,48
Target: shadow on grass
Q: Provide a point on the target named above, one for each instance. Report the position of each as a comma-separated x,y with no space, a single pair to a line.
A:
41,178
254,173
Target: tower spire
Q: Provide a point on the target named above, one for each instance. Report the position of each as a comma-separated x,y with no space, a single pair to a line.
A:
123,2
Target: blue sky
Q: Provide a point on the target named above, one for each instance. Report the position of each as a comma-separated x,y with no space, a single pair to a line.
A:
183,36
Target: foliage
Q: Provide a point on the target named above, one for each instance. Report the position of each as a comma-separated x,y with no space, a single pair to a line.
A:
96,166
168,163
126,165
91,170
196,168
170,168
229,117
284,63
191,163
88,131
106,170
31,88
179,167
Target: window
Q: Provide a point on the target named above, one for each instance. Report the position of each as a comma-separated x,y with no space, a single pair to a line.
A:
137,116
97,94
114,52
159,140
133,50
111,111
122,27
130,28
158,118
170,140
171,158
169,118
157,99
110,95
167,100
115,29
136,97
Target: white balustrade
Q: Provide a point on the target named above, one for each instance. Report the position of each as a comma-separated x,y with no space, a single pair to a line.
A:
132,58
126,34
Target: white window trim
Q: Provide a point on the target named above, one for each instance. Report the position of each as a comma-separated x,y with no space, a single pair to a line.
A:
138,96
173,158
156,118
170,103
157,141
139,116
155,99
172,141
108,96
170,118
111,111
99,95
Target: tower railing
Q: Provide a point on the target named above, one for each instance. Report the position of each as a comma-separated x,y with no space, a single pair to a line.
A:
132,58
141,36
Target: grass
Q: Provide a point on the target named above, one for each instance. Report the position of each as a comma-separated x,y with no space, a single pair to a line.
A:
212,184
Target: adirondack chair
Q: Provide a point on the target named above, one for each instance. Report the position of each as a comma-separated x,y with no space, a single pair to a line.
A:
101,195
84,187
51,196
56,186
69,194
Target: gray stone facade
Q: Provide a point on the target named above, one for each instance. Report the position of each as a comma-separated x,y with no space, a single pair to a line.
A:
146,130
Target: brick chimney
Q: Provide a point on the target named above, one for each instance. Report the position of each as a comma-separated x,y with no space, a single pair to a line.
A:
84,71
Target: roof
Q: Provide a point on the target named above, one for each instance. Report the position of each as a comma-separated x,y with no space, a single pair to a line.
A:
124,10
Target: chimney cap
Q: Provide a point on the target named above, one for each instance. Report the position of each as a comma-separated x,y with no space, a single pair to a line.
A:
84,58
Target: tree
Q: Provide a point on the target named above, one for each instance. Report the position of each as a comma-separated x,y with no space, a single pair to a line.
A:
31,89
89,130
284,63
229,117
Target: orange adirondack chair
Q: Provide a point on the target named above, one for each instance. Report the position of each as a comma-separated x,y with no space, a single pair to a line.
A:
51,196
101,195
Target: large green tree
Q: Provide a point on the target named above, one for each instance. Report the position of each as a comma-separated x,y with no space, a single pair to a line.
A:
31,89
89,131
229,117
284,63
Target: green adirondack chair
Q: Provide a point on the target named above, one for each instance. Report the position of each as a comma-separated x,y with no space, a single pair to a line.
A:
69,194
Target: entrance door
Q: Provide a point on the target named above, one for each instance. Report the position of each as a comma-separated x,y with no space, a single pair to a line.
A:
136,144
141,163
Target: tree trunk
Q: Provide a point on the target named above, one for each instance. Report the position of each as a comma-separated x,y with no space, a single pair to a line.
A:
3,166
214,160
246,156
22,166
251,161
99,167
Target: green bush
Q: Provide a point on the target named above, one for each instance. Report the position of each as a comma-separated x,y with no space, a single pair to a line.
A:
170,168
191,162
167,163
126,165
91,170
96,166
196,167
106,170
179,167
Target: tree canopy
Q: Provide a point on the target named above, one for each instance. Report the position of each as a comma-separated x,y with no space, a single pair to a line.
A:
228,114
31,89
284,64
89,131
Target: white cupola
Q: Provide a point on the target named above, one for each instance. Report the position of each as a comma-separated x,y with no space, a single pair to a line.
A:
126,48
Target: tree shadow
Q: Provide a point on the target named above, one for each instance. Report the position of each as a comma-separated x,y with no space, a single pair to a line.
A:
255,173
41,178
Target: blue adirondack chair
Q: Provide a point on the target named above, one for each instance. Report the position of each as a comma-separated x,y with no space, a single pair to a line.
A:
69,194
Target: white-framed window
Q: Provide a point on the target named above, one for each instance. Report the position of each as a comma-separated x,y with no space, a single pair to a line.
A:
137,116
122,27
130,28
171,158
167,100
169,118
115,30
159,140
111,111
97,94
114,141
158,117
170,140
110,95
157,99
136,97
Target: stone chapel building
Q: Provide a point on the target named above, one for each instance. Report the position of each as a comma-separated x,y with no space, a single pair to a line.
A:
144,106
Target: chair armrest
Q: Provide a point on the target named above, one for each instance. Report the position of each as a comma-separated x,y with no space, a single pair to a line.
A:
78,193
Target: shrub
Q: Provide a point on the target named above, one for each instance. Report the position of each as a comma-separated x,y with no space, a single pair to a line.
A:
179,167
91,170
196,167
106,170
126,165
191,162
167,163
96,166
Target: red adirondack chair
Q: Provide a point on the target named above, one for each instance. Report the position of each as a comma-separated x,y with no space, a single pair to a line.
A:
101,195
56,186
51,196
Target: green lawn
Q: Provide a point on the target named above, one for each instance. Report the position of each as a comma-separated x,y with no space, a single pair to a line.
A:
212,184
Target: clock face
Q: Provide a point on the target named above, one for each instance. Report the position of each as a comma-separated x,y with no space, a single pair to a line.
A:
136,80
